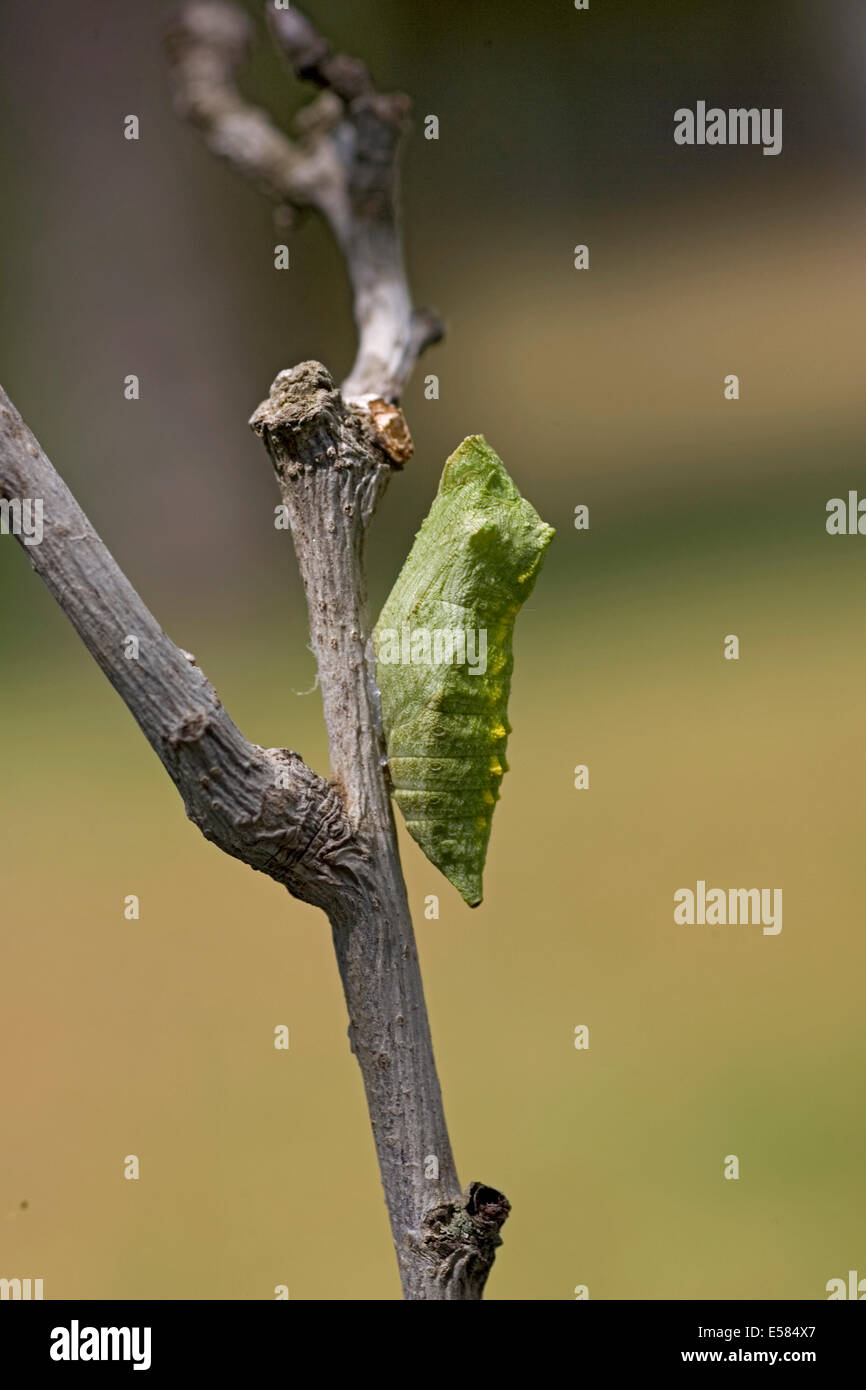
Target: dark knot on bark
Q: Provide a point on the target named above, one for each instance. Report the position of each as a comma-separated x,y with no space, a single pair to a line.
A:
460,1239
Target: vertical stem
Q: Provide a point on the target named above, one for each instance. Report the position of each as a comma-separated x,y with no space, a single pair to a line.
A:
331,472
390,1036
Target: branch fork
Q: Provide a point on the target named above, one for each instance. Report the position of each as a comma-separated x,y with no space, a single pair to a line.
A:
341,159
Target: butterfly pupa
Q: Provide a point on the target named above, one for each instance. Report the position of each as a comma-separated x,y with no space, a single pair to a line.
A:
443,644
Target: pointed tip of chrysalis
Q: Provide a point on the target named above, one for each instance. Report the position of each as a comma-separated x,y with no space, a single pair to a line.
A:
470,891
465,876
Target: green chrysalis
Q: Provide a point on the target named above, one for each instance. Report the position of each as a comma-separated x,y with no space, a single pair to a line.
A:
444,658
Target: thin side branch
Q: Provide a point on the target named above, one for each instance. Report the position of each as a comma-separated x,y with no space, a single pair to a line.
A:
341,159
264,806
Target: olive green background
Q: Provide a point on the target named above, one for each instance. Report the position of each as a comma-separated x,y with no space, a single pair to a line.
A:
707,518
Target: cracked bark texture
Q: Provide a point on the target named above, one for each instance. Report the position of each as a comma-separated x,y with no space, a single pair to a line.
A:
330,843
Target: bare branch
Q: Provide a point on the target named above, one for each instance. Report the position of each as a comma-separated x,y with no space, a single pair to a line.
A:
342,160
206,45
262,806
332,470
332,473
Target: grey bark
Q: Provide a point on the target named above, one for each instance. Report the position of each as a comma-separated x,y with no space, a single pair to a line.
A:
330,843
297,832
341,160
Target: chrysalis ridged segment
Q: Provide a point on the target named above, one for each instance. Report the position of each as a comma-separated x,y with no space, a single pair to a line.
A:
473,564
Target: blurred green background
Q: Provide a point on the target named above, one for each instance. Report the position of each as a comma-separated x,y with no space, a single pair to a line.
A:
707,518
